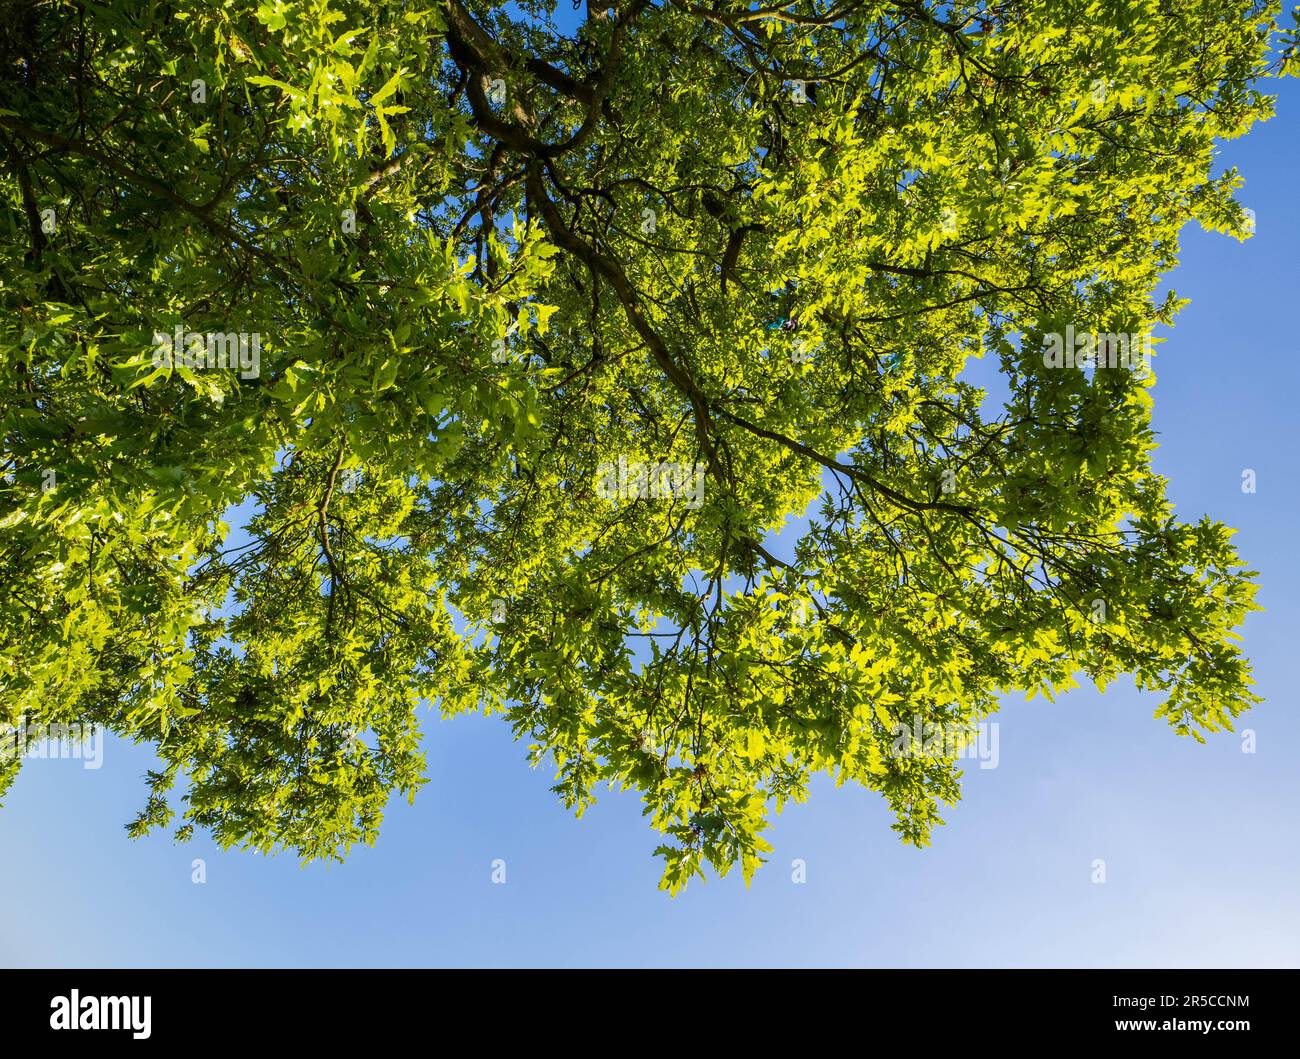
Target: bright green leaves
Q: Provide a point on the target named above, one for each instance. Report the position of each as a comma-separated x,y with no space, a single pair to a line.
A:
490,268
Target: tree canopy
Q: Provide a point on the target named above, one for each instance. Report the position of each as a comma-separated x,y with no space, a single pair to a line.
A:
552,321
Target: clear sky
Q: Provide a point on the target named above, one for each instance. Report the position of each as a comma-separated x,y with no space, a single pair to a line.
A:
1202,862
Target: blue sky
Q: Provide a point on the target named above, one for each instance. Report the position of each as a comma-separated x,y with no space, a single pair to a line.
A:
1202,863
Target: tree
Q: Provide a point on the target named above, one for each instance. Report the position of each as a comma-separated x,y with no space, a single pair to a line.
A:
518,334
